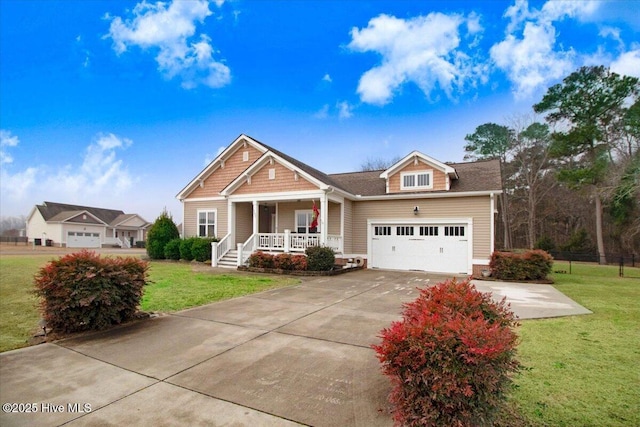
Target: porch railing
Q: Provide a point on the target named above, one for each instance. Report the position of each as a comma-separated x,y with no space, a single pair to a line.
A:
292,242
271,241
283,242
219,249
246,249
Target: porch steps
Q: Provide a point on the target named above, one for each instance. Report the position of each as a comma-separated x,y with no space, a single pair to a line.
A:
229,260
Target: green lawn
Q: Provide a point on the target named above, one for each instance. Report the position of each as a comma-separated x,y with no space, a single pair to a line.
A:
584,370
173,286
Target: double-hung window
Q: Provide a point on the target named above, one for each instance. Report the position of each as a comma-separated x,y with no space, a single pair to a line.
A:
304,218
207,223
418,180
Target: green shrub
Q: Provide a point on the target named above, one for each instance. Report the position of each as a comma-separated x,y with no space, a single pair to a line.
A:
161,232
450,358
261,260
545,243
320,258
530,265
201,248
186,246
82,291
580,242
172,249
140,244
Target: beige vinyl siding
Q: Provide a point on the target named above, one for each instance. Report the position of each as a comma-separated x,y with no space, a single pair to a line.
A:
439,177
190,220
348,220
334,219
284,181
476,208
244,221
222,176
286,214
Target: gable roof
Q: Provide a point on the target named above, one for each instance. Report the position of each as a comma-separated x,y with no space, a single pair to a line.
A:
60,212
121,219
477,176
74,216
483,175
415,155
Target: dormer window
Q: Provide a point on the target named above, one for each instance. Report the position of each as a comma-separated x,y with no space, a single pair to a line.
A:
417,180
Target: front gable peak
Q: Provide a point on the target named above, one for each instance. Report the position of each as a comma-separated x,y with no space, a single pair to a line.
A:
273,173
418,172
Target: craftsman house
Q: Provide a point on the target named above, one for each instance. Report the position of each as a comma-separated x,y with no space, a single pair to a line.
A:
72,226
420,214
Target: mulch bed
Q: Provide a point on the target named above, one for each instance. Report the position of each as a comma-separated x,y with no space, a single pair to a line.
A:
334,272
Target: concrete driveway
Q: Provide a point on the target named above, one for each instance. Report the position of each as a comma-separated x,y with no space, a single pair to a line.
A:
293,356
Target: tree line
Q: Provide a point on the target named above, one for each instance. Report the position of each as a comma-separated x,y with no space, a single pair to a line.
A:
572,181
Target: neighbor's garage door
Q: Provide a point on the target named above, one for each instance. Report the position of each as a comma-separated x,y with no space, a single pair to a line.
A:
429,247
82,239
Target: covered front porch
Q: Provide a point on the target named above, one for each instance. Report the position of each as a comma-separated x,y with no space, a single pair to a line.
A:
278,224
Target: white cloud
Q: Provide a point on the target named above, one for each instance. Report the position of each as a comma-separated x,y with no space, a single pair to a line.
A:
100,176
327,78
531,59
322,113
100,171
627,63
424,50
345,110
7,140
169,29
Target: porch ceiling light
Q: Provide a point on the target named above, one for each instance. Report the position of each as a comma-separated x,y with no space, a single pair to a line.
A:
416,210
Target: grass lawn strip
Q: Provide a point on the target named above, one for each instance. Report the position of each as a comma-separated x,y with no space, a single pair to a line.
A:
174,286
583,370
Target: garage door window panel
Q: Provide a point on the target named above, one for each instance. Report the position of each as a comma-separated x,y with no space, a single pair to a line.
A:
404,231
454,231
382,231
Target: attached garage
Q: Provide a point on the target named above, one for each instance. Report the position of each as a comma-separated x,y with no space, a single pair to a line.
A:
83,239
440,247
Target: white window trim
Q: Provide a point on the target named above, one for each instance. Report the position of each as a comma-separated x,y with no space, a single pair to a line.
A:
307,212
215,219
415,174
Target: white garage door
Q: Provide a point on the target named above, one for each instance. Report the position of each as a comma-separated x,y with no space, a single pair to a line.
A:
441,248
83,239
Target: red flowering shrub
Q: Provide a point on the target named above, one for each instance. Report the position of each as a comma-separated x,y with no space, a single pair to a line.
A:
299,262
450,358
283,261
82,291
261,260
530,265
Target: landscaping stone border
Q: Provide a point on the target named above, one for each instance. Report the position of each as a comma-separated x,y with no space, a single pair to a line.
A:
300,272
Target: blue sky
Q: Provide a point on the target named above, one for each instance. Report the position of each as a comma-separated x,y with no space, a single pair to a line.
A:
119,104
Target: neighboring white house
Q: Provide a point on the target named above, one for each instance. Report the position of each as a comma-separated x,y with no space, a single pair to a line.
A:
73,226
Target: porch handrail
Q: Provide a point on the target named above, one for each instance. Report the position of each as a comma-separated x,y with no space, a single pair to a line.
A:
222,247
112,241
248,248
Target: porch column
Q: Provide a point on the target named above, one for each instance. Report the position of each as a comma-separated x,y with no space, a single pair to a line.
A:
256,216
231,222
342,227
324,216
